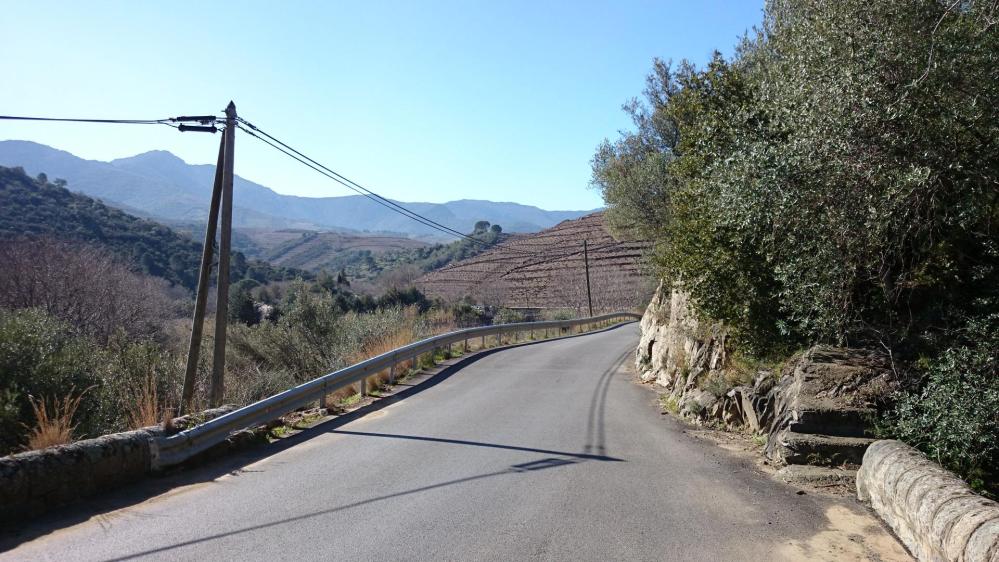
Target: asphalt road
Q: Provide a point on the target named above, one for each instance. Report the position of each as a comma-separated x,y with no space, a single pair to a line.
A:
547,451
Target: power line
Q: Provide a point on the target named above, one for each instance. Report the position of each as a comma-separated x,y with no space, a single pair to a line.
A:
252,130
414,216
175,122
358,188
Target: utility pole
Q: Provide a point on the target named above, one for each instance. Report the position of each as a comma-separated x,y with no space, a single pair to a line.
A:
225,249
586,260
194,351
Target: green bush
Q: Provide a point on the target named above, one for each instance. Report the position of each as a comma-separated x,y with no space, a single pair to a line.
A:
46,359
40,357
953,415
509,316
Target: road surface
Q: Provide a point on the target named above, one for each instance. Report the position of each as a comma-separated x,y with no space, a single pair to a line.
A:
548,451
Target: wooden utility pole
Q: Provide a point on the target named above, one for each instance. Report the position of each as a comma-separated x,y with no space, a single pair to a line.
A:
225,249
586,261
201,300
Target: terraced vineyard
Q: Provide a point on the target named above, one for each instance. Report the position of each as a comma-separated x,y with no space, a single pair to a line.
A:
546,270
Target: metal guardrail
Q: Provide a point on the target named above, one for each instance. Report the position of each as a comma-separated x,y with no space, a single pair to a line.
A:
168,451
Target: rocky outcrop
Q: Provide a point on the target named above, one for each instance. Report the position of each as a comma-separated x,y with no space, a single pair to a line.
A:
935,514
676,348
817,410
824,406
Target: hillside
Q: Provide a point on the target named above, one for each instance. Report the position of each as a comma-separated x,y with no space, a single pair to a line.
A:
32,207
311,250
167,188
546,270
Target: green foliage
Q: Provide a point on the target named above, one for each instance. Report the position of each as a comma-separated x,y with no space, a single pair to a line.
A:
508,316
836,180
44,358
30,207
954,414
828,183
241,304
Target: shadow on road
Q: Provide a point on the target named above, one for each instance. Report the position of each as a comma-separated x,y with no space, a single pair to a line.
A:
522,468
136,493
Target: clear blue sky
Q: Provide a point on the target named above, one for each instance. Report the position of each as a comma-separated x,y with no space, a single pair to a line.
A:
420,101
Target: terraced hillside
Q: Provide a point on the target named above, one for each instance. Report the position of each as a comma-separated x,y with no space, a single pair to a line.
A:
546,270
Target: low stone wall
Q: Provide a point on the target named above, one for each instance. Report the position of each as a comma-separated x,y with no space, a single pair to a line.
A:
37,481
935,514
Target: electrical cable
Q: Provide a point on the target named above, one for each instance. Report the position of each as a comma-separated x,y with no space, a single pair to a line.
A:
356,187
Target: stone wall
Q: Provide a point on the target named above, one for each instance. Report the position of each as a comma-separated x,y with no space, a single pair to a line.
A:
37,481
935,514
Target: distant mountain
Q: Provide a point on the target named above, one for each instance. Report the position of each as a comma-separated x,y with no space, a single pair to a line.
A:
31,207
165,187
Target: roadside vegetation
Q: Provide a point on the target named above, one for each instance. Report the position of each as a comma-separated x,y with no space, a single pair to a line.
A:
837,181
89,345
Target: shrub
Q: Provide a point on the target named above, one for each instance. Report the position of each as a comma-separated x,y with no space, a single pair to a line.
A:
954,414
43,357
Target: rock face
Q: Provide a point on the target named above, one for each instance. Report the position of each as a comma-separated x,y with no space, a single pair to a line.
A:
816,411
824,406
676,348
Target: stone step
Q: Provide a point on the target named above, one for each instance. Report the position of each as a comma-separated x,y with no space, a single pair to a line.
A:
840,422
802,474
822,450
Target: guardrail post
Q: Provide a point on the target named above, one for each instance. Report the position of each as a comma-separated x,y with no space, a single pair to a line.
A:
392,374
322,399
364,387
465,350
483,341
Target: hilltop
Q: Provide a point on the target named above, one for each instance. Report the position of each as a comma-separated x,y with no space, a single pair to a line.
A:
164,187
546,270
34,207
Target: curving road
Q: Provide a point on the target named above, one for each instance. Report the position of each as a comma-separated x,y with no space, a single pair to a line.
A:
546,451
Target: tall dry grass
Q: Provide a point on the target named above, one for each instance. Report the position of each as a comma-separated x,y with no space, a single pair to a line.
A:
53,420
413,326
144,408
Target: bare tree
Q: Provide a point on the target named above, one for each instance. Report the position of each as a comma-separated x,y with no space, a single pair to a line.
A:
82,285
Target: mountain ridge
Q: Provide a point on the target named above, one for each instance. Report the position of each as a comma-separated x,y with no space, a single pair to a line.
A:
166,188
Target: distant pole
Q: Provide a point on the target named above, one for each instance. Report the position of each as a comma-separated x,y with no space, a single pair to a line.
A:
586,260
201,300
225,250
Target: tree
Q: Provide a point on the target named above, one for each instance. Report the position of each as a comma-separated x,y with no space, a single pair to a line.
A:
827,183
84,286
480,227
242,307
496,229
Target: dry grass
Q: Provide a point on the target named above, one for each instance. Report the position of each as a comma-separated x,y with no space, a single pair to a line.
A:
53,421
144,409
435,322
